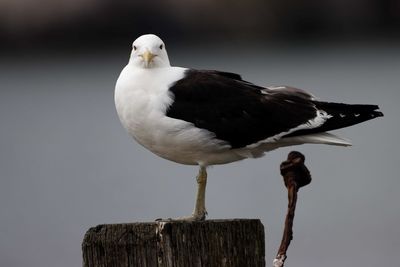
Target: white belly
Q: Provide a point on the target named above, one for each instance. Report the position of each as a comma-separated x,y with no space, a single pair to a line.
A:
141,102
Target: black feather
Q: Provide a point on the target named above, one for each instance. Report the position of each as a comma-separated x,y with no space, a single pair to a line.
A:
342,115
242,113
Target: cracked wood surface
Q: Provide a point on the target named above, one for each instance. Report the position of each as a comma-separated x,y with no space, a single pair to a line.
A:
227,243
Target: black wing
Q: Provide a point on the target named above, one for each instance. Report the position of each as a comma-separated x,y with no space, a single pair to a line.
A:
237,111
240,112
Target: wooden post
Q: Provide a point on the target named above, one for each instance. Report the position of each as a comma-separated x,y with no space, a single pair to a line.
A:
211,243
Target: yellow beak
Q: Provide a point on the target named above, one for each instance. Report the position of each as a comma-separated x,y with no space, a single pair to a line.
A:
148,57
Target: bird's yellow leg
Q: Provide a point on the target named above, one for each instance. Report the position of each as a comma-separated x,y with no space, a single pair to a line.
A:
199,212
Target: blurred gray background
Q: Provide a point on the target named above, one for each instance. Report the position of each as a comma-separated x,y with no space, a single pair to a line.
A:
66,163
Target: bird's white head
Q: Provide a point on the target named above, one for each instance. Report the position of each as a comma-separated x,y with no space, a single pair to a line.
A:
148,51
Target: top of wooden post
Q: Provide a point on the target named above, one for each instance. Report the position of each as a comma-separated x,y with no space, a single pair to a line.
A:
229,243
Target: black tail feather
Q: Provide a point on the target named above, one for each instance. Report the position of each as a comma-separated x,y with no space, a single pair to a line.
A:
343,115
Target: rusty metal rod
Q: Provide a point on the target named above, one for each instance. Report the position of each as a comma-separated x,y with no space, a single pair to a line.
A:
295,175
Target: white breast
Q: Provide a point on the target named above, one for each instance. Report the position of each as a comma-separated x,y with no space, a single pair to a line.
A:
141,100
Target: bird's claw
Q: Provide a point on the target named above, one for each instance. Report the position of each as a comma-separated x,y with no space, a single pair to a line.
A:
191,218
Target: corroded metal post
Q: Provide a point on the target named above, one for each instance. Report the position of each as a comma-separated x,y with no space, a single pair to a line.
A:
295,175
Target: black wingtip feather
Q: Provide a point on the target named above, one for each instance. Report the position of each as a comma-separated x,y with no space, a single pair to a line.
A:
377,113
342,115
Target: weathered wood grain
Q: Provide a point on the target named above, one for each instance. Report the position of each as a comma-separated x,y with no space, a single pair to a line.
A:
227,243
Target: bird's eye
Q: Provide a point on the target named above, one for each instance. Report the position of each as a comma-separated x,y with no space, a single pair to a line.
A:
161,46
134,47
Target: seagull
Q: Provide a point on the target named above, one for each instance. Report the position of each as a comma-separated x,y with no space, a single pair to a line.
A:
209,117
